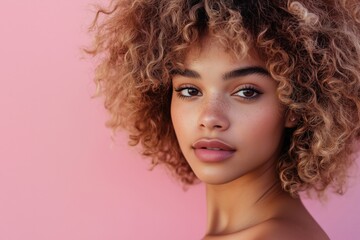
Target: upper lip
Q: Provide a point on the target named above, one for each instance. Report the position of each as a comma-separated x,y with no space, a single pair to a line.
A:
212,143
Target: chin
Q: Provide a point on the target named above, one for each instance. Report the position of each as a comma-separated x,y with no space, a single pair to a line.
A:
216,178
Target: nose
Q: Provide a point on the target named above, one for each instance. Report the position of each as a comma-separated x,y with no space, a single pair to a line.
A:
213,116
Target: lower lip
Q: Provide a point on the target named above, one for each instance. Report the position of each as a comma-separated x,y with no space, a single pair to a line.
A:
206,155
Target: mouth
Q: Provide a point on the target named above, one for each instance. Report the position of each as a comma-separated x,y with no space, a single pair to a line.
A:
213,144
215,149
212,150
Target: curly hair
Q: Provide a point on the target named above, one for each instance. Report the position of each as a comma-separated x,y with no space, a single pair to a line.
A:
311,48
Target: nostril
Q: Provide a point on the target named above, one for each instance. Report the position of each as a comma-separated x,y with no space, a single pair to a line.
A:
214,121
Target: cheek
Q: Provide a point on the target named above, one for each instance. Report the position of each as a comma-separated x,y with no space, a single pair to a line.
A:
263,127
179,118
270,122
174,112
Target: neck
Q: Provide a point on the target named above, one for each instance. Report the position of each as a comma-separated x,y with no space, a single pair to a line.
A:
242,203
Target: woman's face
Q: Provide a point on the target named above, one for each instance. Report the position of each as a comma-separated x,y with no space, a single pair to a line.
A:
228,120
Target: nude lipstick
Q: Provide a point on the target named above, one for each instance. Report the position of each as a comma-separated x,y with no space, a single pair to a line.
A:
212,150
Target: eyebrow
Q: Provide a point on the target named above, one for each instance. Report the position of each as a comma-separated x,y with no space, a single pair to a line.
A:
241,72
187,73
245,71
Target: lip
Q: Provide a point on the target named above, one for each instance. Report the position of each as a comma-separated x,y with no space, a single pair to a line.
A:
212,150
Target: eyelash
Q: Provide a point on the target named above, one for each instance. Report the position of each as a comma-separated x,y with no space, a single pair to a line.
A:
180,89
247,88
244,88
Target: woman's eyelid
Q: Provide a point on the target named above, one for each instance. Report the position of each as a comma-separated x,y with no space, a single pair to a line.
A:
247,87
185,86
187,91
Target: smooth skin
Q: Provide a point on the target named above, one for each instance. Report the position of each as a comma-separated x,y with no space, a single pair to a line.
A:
219,97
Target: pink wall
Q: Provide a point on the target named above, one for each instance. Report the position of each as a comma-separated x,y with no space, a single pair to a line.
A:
60,175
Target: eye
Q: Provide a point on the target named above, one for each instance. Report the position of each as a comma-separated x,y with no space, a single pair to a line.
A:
187,92
248,92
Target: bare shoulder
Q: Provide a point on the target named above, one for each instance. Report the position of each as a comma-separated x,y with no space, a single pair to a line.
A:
281,229
277,229
284,229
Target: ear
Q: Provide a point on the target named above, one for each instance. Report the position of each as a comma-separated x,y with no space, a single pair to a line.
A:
291,119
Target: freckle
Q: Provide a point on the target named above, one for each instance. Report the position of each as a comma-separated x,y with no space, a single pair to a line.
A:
219,105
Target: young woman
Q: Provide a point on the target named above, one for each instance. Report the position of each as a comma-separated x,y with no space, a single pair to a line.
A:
257,99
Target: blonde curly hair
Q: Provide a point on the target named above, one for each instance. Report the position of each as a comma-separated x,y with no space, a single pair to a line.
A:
311,48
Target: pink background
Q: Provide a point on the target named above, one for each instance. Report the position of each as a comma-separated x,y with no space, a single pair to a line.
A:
61,177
